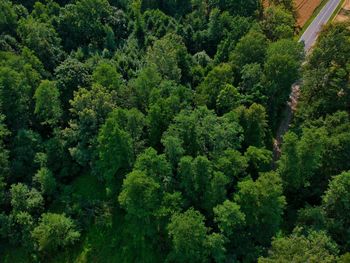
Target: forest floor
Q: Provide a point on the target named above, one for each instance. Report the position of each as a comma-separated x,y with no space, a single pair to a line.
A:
344,13
305,9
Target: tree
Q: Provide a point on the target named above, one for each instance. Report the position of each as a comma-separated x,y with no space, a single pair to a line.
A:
278,23
173,149
8,17
114,149
133,122
229,218
170,57
155,166
251,85
335,203
251,48
314,246
326,75
16,89
301,157
70,75
203,133
262,202
202,187
54,231
189,236
165,102
282,67
26,145
48,113
42,38
46,181
84,22
25,199
254,123
216,80
140,195
259,160
228,99
232,164
107,76
147,79
4,158
90,108
158,24
240,7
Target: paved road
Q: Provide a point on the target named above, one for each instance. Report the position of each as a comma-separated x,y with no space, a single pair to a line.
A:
310,35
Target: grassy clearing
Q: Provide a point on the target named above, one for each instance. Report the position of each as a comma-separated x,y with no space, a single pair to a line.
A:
107,242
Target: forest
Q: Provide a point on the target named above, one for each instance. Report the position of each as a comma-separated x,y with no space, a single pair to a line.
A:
144,131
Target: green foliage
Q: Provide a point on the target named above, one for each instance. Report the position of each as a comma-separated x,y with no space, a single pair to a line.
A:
43,39
313,247
229,218
165,103
26,145
25,199
232,164
212,86
114,149
254,123
250,49
140,195
202,186
170,57
301,157
107,76
19,76
90,108
326,85
190,238
336,203
278,23
84,22
4,158
47,182
69,75
282,69
150,123
203,133
55,231
237,7
262,202
48,113
155,166
8,16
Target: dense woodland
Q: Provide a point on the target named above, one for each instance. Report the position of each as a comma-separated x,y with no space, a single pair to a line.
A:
143,131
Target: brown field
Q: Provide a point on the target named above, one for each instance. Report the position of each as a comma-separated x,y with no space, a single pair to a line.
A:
305,9
344,13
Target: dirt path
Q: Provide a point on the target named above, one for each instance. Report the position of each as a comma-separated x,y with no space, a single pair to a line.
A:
284,125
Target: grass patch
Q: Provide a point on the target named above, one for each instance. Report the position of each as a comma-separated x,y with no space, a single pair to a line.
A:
108,244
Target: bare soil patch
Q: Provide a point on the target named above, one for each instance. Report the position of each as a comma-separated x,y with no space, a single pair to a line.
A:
344,13
305,9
